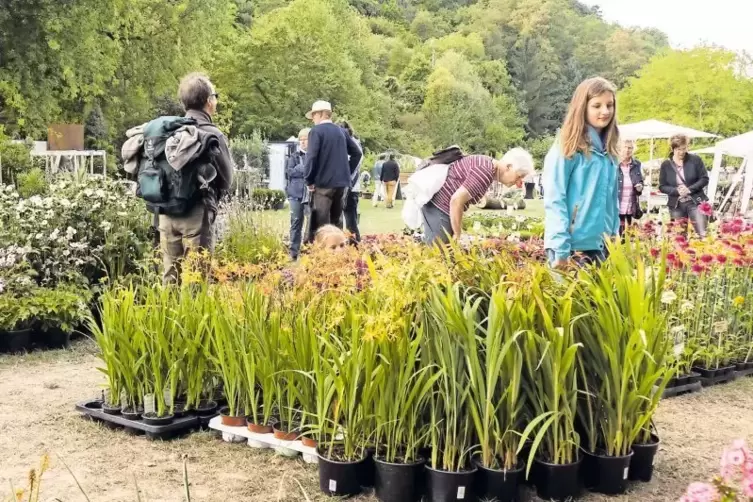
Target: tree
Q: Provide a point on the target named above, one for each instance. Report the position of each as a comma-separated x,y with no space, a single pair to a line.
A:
700,88
95,129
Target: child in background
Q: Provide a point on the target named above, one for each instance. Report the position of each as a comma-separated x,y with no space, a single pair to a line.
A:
581,201
330,237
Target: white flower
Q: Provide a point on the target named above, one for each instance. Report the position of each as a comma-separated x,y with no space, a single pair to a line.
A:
668,297
70,232
88,192
106,225
39,236
686,306
100,193
36,200
55,234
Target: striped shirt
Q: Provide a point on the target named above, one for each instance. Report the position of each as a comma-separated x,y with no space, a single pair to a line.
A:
474,172
626,194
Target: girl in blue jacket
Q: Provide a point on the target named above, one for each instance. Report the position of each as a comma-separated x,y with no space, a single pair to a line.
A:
581,202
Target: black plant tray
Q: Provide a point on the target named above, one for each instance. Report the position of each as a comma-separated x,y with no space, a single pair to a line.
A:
744,373
682,389
179,426
716,380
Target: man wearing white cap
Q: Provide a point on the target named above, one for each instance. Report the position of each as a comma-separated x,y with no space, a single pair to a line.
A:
332,157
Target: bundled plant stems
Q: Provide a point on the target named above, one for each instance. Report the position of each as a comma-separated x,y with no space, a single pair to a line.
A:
472,353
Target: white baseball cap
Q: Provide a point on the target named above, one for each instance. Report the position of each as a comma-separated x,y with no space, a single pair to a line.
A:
319,106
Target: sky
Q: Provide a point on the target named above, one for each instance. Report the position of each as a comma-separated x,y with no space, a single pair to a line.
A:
728,23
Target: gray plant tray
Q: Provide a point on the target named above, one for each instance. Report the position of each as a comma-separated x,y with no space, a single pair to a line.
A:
179,426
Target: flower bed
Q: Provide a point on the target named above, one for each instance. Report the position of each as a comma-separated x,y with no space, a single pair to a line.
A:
57,251
517,227
454,360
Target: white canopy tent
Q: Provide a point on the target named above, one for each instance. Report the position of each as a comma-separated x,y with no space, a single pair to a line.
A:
737,146
656,129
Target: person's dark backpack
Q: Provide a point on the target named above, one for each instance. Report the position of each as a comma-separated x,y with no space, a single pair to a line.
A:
165,190
445,156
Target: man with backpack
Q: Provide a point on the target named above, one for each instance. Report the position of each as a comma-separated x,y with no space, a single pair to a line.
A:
183,167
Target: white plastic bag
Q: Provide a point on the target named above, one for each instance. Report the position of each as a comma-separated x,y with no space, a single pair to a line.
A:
422,186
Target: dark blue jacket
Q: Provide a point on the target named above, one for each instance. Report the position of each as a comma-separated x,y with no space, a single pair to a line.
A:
327,164
295,170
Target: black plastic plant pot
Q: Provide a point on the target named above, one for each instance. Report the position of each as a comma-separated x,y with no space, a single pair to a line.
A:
727,370
740,366
682,380
110,410
642,462
179,409
605,474
672,383
132,414
340,479
399,482
15,341
557,481
206,408
446,486
498,485
368,470
693,377
705,373
56,338
749,365
153,419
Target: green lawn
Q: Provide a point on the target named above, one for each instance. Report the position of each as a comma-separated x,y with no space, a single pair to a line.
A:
380,220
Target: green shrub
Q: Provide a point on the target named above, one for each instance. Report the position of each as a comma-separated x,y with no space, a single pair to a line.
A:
15,159
265,198
32,183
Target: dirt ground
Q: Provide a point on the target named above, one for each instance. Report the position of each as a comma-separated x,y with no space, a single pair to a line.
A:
38,391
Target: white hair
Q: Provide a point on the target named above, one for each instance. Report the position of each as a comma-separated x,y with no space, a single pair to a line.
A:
520,160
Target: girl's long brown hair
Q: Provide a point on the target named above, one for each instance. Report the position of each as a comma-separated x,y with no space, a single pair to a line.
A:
574,135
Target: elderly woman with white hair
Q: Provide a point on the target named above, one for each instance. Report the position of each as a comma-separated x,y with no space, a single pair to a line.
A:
629,184
468,180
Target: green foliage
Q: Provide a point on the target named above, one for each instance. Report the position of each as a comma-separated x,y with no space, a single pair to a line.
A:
265,198
713,93
415,75
14,160
32,183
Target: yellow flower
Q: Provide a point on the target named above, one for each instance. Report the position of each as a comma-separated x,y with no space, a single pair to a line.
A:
738,301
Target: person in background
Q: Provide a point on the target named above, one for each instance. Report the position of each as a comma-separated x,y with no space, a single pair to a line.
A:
530,184
468,180
195,229
295,170
354,193
376,175
630,185
581,200
330,237
331,159
389,177
683,177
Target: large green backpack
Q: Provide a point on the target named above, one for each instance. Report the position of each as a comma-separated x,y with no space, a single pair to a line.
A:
165,190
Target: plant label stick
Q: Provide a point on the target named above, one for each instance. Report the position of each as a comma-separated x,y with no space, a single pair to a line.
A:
625,473
149,403
461,492
168,397
332,485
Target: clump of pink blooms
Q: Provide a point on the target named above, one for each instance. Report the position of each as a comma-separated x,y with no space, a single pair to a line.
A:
734,482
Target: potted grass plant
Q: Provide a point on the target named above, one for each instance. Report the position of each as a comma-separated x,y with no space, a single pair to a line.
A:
257,362
226,349
306,356
625,350
346,375
195,325
158,327
451,318
404,387
106,336
551,388
494,362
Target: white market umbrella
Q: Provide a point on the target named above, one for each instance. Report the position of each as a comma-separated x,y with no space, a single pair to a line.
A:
656,129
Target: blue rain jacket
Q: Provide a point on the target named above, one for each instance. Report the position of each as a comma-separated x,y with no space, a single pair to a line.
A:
581,199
